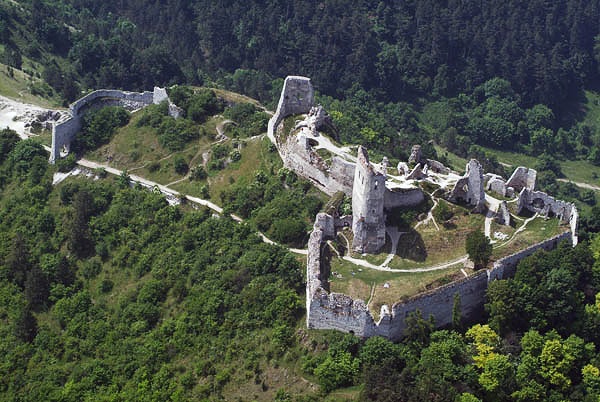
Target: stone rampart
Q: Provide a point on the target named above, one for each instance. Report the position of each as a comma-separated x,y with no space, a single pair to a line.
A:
299,156
507,266
402,197
327,310
63,132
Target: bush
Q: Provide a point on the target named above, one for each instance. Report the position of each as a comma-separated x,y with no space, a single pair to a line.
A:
106,285
337,371
479,248
99,126
173,134
154,166
198,173
66,164
180,165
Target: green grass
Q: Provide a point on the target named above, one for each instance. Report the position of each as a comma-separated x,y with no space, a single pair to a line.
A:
18,86
137,150
591,108
358,282
581,171
455,162
537,230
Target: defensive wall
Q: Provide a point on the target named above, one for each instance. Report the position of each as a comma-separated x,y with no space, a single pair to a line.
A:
297,153
64,131
327,310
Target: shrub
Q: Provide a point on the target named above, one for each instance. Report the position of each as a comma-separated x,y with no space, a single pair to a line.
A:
198,173
99,126
66,164
180,165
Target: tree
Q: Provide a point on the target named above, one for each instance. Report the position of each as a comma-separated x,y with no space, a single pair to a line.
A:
337,371
478,248
8,140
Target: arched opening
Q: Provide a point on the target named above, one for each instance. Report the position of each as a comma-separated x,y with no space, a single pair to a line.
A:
538,203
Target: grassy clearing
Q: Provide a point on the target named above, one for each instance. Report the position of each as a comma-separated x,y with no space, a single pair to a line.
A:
581,171
537,230
427,246
137,150
234,97
360,283
18,86
455,162
256,155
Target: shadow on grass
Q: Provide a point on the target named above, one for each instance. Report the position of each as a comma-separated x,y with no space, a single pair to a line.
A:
412,247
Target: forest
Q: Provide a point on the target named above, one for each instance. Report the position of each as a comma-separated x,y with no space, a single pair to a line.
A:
109,293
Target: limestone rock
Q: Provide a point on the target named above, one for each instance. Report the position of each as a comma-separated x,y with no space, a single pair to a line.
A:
415,155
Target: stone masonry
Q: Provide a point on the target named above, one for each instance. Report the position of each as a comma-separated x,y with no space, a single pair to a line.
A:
65,130
469,188
368,222
521,178
328,310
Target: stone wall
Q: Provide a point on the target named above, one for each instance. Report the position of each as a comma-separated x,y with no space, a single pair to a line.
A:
544,204
522,178
299,156
402,197
506,267
469,188
297,97
368,223
327,310
63,132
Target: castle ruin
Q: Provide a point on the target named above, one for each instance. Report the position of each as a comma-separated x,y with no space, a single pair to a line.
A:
368,218
375,192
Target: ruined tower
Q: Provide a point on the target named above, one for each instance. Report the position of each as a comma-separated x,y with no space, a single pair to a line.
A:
368,218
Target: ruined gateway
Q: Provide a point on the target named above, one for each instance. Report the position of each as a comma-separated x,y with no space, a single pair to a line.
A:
375,191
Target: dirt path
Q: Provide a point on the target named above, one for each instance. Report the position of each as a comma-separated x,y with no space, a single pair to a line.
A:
170,193
437,267
582,185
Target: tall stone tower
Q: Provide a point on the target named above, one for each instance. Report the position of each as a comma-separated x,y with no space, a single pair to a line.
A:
368,219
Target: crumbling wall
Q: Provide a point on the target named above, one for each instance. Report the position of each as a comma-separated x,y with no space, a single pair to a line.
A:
368,223
64,131
297,97
341,312
546,205
402,197
506,267
299,156
439,304
522,178
469,188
